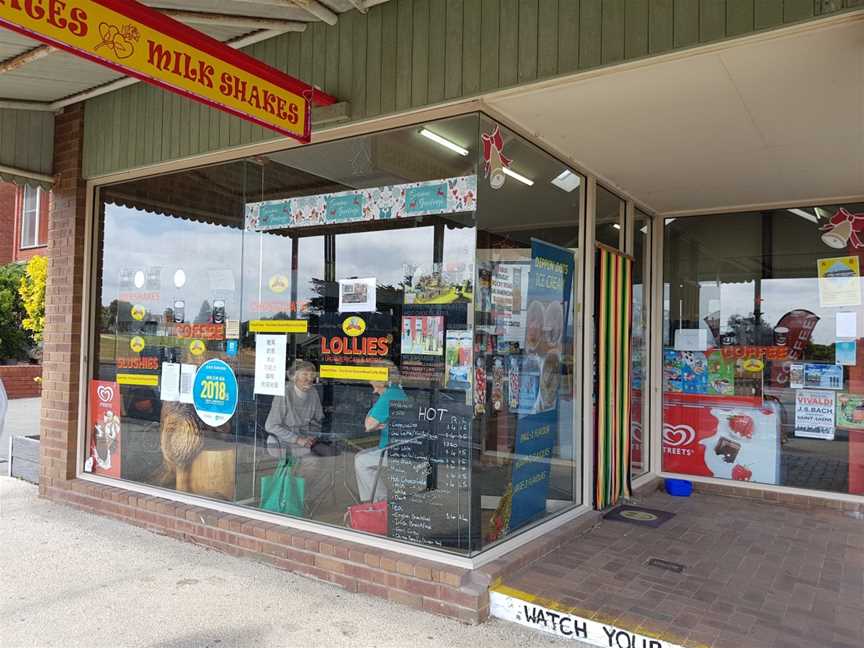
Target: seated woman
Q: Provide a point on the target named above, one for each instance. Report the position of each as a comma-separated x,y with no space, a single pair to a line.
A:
294,421
293,426
366,462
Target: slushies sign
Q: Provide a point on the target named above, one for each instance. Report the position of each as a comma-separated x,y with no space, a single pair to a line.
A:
136,40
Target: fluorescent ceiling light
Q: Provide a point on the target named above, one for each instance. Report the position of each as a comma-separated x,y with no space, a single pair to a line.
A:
616,226
519,177
443,142
566,180
805,215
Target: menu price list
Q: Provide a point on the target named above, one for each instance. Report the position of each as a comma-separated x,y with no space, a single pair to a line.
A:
429,465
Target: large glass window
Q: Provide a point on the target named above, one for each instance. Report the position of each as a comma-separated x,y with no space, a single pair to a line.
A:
362,333
30,207
526,325
763,379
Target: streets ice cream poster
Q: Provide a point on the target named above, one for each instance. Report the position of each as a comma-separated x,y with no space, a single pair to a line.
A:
103,457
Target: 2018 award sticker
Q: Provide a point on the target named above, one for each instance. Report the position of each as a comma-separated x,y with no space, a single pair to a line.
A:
214,392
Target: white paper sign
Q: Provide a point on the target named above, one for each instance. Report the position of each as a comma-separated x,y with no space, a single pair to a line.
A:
187,379
170,381
814,414
846,325
357,295
232,329
270,351
691,340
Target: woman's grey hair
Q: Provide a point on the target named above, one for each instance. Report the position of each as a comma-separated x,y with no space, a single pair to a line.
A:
300,365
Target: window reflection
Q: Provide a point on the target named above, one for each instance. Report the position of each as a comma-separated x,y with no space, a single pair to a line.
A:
761,351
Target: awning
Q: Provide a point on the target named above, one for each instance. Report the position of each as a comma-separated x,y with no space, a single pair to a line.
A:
37,80
26,147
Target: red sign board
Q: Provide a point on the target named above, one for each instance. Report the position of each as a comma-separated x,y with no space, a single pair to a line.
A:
141,42
103,456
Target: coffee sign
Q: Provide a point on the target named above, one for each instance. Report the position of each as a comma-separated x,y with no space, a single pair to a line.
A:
140,42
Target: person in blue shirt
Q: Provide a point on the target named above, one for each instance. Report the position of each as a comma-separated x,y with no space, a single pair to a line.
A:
366,462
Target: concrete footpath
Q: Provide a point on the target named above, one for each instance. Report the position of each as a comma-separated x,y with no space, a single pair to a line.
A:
70,578
22,419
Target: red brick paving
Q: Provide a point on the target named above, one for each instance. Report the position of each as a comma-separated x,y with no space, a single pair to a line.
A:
757,575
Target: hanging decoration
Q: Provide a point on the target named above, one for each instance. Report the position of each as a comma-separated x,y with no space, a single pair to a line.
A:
843,228
493,158
613,314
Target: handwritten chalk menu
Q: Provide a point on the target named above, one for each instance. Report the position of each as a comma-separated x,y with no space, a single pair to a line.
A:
429,467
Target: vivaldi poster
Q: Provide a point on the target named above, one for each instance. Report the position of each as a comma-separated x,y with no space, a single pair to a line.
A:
814,414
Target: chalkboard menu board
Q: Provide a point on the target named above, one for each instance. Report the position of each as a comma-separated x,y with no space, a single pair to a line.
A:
429,467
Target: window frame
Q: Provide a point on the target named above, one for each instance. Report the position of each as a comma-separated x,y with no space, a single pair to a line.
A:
36,213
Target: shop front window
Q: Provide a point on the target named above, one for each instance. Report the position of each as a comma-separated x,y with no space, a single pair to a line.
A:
346,333
525,371
763,380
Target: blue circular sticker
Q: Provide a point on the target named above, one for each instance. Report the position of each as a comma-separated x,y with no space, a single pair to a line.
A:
214,392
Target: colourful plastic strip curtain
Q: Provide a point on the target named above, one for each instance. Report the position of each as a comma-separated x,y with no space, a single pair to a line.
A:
613,314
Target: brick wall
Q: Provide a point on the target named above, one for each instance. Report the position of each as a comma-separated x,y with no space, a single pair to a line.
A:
8,192
423,584
419,583
63,294
18,380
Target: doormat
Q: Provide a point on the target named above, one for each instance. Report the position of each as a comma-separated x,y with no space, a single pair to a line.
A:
638,515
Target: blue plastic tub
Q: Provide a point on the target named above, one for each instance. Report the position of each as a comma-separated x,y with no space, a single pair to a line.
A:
679,487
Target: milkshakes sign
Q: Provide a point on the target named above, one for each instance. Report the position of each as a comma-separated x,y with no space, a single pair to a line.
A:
138,41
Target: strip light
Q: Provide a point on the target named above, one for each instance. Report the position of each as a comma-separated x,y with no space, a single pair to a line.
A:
519,177
805,215
444,142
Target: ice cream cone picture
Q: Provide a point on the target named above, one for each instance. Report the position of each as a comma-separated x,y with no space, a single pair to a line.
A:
494,160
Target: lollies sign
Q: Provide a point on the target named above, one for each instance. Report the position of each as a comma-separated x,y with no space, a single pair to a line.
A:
136,40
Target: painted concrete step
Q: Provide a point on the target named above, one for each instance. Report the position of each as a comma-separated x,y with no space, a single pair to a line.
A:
584,627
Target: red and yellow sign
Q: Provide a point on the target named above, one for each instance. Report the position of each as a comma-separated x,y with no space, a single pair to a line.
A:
204,331
141,42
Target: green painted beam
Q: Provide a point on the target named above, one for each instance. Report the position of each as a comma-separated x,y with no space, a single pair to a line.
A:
413,53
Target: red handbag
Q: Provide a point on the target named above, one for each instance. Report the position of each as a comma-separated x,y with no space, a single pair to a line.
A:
370,517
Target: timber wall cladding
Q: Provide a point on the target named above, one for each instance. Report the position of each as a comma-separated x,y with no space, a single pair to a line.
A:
411,53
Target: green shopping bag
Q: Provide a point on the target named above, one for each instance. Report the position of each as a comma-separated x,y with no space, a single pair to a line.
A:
282,492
